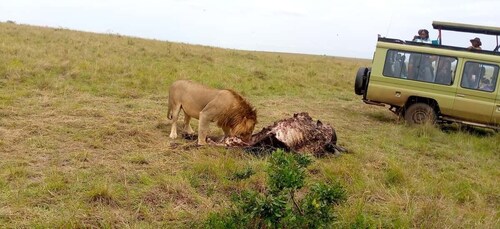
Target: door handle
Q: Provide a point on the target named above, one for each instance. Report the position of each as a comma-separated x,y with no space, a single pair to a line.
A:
460,95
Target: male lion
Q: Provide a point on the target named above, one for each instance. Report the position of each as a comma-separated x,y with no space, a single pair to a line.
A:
232,113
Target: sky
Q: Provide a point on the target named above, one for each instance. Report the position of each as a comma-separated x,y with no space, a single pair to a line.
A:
346,28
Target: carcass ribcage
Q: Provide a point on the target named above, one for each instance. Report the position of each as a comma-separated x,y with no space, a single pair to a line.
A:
299,133
292,132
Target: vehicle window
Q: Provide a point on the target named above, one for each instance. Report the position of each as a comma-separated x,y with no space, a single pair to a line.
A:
420,67
479,76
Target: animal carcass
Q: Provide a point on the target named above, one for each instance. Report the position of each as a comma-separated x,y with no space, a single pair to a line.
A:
298,133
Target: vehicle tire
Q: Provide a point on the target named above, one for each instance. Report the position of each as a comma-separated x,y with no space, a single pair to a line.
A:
360,81
420,113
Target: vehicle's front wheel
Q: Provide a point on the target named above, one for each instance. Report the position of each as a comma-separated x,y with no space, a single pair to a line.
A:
420,113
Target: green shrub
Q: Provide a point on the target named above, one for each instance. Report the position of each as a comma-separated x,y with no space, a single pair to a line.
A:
287,171
278,206
317,205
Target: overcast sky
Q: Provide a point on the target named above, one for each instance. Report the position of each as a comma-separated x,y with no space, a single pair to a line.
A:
338,28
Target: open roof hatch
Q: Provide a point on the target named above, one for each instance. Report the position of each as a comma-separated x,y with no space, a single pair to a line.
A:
468,28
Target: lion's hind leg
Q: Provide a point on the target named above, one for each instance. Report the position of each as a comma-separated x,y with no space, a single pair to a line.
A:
176,109
187,126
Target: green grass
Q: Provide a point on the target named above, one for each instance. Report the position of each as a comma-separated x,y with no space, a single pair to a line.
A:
84,138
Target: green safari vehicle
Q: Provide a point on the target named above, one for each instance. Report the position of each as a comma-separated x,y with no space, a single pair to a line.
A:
433,82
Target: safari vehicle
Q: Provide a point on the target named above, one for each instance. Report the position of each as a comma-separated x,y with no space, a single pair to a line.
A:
434,82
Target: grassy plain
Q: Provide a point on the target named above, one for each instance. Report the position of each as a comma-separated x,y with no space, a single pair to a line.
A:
84,138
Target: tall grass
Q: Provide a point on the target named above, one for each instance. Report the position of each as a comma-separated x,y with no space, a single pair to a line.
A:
84,138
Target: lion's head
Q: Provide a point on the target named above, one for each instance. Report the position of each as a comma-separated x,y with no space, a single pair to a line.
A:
240,119
244,129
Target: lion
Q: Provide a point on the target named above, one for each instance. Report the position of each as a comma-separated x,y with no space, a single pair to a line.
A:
228,109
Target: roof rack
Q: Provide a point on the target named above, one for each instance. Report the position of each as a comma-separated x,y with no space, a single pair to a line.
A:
468,28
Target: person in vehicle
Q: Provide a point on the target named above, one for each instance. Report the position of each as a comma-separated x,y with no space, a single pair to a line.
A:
419,66
443,73
426,70
476,44
472,74
486,85
422,37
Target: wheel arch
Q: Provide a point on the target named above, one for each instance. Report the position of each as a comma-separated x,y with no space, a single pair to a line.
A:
417,99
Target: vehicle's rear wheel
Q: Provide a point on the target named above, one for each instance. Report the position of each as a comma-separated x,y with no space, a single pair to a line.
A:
420,113
360,81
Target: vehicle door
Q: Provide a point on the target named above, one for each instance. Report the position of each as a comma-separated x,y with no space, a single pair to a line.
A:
495,118
477,92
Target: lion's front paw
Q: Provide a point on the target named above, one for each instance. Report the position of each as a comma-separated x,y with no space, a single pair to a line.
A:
173,135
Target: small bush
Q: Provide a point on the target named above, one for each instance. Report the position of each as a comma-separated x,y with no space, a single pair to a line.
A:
287,171
317,205
279,207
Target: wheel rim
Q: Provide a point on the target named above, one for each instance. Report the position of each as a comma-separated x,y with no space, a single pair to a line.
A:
420,116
